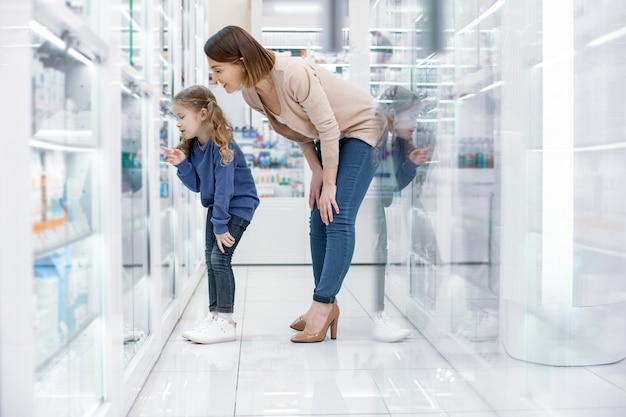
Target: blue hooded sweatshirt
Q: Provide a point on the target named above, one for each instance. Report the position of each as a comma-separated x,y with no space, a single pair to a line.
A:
227,189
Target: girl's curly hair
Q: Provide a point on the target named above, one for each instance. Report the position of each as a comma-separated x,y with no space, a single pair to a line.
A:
196,98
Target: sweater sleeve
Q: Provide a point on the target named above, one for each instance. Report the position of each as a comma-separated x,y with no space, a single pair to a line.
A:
404,167
188,175
224,191
305,88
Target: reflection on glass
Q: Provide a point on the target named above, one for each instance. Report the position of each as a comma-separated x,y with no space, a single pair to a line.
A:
445,220
134,223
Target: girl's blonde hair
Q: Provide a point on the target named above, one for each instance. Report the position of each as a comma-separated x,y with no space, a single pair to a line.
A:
196,98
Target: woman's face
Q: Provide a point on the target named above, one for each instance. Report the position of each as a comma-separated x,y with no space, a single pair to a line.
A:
230,75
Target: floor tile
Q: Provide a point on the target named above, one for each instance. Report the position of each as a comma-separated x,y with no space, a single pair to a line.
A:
543,387
189,394
187,356
323,392
427,390
614,373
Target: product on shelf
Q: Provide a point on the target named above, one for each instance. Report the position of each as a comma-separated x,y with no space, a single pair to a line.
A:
475,153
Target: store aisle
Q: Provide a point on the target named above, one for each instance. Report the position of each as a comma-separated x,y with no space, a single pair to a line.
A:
264,374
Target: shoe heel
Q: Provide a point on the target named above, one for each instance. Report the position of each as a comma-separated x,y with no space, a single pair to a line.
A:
333,328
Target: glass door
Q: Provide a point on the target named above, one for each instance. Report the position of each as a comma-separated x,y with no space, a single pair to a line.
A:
477,89
167,214
136,270
166,138
66,231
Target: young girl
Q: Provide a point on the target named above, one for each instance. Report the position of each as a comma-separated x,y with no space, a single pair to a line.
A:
400,161
208,161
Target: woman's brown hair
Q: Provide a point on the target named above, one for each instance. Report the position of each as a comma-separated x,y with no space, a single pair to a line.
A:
231,43
196,98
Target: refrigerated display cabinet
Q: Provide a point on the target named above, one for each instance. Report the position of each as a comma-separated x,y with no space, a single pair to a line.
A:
59,54
85,178
564,296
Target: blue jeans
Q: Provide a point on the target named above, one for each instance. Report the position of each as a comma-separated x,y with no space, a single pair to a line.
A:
219,266
332,246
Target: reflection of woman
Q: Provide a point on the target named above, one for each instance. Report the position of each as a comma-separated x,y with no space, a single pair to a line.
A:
336,125
397,170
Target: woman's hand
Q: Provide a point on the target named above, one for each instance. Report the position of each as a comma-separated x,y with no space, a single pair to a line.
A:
419,156
315,190
327,203
174,156
224,239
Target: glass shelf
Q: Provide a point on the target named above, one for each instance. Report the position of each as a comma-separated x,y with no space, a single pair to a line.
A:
62,91
132,32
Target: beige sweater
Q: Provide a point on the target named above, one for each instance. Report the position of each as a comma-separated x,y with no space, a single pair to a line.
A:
319,105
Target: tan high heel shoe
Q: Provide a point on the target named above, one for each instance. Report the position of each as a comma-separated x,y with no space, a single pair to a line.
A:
300,323
331,321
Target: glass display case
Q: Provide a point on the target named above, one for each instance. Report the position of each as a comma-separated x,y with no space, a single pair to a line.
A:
563,124
95,302
65,213
525,129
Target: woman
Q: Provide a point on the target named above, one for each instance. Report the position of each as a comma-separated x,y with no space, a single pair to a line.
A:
337,125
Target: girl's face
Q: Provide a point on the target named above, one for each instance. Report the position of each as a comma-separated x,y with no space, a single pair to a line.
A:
230,75
405,123
189,122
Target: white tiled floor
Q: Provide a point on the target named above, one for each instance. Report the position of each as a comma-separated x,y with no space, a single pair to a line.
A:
264,374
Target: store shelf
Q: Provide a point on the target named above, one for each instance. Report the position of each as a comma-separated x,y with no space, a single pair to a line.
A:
77,30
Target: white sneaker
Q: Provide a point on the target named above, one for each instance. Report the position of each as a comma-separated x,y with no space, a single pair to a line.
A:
204,323
385,331
218,331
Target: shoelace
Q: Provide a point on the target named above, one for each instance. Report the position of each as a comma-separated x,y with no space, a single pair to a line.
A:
218,327
205,323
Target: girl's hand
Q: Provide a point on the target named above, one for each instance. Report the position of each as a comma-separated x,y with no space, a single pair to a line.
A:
225,239
174,156
419,156
315,190
327,203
